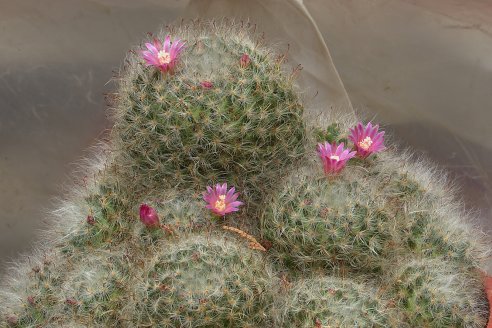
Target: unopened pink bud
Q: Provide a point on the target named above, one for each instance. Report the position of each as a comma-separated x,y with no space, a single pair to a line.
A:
12,319
244,62
207,84
148,216
90,220
31,300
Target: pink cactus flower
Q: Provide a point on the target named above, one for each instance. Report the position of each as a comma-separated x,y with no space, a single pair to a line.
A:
148,216
207,84
334,157
244,61
163,56
367,140
220,200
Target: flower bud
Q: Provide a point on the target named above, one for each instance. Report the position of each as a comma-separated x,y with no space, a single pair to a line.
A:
207,84
244,62
90,220
148,216
31,300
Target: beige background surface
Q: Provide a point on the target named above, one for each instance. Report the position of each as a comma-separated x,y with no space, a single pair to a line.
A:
423,68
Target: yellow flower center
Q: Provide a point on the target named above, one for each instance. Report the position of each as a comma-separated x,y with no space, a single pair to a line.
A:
164,57
335,157
220,205
366,143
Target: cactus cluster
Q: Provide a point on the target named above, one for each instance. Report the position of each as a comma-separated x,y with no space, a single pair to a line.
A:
366,237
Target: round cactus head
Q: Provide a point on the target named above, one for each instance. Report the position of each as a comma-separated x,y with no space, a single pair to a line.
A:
331,302
314,222
436,293
87,290
205,281
225,111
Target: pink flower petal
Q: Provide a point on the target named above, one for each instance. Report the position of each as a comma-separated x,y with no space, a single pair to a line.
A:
152,48
167,43
157,44
231,192
327,153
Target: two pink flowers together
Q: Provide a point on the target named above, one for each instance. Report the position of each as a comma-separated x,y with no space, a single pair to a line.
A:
367,140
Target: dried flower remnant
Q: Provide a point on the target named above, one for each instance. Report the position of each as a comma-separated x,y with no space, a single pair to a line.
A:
367,139
71,301
488,291
163,56
253,243
220,200
12,320
334,157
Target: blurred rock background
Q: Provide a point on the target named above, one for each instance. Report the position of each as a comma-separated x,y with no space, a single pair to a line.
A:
422,68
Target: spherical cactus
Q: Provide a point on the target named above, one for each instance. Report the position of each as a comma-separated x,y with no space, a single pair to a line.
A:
317,222
87,290
205,281
436,293
370,212
432,221
332,302
215,117
196,280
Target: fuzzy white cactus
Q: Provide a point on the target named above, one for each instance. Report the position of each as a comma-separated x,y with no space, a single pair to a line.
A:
381,241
